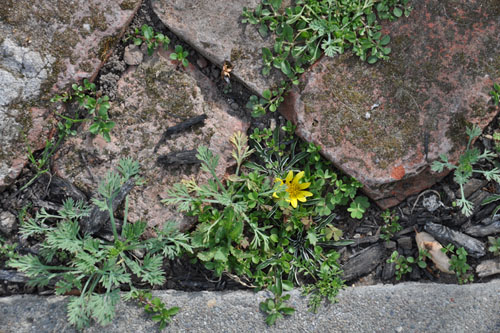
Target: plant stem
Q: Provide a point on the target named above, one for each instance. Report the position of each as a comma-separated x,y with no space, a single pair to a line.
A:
112,218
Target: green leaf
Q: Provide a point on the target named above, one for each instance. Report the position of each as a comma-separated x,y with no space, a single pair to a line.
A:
221,254
286,68
287,310
397,12
274,238
371,60
288,33
263,30
276,4
311,236
385,40
422,264
205,256
77,312
267,94
271,319
490,199
94,128
386,50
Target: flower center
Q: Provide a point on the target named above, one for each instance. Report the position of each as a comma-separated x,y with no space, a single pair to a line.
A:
293,190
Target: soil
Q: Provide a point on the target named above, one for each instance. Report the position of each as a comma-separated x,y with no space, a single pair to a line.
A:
183,275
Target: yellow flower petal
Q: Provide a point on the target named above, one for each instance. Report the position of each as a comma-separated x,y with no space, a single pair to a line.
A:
293,201
289,177
298,176
306,193
301,196
278,180
304,185
275,195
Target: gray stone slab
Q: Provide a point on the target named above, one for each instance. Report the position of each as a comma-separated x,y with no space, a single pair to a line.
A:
215,30
406,307
44,46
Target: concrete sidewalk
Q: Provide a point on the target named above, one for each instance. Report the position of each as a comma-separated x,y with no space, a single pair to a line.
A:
406,307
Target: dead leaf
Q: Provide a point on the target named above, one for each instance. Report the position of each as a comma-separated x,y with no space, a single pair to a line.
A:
227,67
307,222
426,242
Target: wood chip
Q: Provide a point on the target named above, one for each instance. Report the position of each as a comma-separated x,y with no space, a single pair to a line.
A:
426,242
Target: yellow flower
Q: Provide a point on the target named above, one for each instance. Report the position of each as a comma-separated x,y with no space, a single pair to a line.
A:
294,188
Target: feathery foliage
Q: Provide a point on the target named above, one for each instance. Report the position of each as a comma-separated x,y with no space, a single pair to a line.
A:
96,268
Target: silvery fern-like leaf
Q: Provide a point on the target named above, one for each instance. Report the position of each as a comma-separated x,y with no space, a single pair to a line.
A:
74,210
77,312
473,132
102,306
32,227
150,271
110,186
128,168
209,161
86,263
101,203
112,275
65,237
466,205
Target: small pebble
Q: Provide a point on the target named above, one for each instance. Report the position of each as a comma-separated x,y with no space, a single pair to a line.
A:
133,55
7,222
431,203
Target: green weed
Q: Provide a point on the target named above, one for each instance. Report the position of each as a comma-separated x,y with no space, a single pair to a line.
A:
310,28
96,106
275,307
495,94
404,265
458,263
391,225
494,245
465,169
148,36
94,267
180,55
268,218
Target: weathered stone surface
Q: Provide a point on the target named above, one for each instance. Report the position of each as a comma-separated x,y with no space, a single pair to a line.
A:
44,46
150,98
404,307
444,60
215,30
7,222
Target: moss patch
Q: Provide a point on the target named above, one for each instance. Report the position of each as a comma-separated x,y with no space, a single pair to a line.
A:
170,90
128,4
348,98
426,77
105,45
